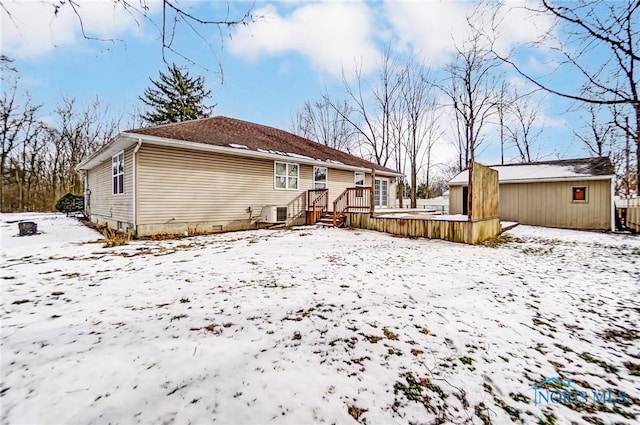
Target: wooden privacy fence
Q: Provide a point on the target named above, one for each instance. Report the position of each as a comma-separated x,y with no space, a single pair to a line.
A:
633,214
484,196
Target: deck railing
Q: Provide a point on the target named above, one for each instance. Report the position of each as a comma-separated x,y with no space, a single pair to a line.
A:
353,199
317,203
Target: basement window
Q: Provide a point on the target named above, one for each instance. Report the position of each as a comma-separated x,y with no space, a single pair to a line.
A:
117,166
579,194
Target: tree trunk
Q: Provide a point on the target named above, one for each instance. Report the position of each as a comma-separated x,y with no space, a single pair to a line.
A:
637,109
414,183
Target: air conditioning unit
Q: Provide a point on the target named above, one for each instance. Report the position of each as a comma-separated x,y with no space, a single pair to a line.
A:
273,214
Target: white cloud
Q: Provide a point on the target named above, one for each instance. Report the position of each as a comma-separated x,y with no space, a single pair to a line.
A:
331,35
430,26
519,25
33,29
443,153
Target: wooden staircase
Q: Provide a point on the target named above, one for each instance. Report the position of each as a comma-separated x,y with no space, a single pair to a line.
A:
327,220
353,199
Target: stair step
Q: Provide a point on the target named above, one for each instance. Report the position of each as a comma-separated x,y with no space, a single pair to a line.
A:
327,220
322,224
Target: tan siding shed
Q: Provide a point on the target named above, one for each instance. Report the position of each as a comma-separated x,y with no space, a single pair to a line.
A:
550,204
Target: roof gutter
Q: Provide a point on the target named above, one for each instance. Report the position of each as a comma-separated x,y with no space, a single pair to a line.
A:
118,144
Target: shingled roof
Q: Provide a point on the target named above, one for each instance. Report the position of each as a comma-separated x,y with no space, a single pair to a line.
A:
564,169
244,135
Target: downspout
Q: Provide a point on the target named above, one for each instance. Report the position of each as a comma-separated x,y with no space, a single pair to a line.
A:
613,207
372,196
86,192
134,185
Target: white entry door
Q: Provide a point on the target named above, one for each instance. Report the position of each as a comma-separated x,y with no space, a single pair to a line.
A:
381,192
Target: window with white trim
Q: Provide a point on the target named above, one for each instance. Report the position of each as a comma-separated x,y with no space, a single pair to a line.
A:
117,167
358,180
286,175
381,192
320,177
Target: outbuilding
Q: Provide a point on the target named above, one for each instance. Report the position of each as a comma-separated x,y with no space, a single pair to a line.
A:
571,193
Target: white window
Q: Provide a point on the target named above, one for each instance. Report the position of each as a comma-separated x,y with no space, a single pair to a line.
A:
381,192
286,175
117,166
359,182
319,177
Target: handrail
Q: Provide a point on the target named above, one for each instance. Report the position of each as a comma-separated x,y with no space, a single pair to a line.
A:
352,199
319,204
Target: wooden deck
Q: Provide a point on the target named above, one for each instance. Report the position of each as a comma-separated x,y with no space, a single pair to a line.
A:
448,228
355,206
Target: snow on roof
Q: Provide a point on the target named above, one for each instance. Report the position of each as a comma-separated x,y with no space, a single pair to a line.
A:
570,169
237,146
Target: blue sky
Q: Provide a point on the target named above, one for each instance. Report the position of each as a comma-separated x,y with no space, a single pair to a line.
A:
290,55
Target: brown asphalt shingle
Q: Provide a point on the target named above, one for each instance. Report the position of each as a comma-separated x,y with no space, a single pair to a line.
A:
224,131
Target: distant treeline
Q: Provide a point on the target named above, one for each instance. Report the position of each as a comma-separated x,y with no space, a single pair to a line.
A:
40,151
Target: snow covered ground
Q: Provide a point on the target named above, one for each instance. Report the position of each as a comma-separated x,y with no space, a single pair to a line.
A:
317,325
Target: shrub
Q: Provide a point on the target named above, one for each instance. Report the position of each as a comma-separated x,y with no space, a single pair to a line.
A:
113,237
70,203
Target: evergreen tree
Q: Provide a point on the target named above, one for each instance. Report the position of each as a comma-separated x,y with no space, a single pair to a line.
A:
175,97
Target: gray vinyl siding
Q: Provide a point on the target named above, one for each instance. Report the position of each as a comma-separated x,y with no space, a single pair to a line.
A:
104,206
180,188
549,204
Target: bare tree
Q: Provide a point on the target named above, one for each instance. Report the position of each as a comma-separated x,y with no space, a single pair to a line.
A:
6,69
502,103
609,31
419,110
439,183
38,160
470,87
398,130
523,126
601,137
597,134
19,126
323,121
79,132
372,107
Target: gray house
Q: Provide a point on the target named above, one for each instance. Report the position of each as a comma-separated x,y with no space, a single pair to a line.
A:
572,194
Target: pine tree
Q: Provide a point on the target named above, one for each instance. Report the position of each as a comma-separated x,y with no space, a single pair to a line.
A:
175,97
